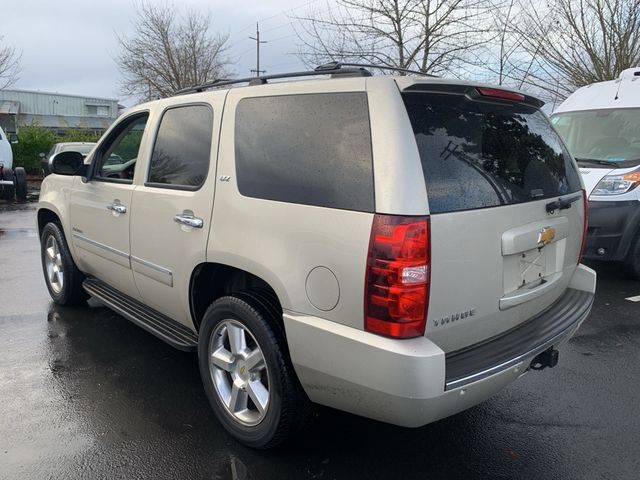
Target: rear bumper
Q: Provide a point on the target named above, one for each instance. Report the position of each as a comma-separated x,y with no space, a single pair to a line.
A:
612,229
413,382
525,341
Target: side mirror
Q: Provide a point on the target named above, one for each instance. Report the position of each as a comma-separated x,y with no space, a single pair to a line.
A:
13,138
41,155
68,163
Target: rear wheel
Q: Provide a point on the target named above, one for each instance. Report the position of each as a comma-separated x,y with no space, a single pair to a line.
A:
246,371
63,279
20,182
8,190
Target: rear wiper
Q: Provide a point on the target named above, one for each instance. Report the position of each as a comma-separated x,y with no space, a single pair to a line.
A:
562,203
595,161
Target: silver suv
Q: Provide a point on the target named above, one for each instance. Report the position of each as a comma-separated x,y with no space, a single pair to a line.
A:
397,247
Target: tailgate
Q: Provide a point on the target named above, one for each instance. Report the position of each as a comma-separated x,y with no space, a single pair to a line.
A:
489,273
499,256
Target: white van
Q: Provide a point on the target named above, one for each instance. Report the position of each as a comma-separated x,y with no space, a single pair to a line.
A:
12,182
600,124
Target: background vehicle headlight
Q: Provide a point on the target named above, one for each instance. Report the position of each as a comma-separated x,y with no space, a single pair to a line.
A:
617,184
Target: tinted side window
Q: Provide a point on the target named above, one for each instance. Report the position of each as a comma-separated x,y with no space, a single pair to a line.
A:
309,149
484,154
183,147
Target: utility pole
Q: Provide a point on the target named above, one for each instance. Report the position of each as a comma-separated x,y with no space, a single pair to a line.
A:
258,42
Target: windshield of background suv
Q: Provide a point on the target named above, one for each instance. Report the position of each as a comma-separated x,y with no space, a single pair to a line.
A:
612,135
478,154
83,149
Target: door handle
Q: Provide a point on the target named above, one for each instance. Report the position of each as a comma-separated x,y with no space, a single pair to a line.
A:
117,208
188,220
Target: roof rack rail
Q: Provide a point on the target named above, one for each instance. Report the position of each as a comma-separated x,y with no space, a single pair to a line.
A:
339,65
332,69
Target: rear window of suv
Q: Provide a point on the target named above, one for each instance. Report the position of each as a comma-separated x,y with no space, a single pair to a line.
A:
480,154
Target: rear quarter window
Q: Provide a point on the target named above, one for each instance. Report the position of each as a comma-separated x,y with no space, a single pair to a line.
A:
480,154
312,149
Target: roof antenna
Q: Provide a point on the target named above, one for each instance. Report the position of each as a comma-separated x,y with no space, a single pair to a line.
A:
618,89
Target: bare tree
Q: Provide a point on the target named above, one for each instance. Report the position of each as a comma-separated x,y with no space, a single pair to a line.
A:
9,65
169,52
500,58
504,58
578,42
432,36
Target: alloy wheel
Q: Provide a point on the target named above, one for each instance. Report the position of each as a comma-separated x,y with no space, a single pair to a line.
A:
239,372
53,265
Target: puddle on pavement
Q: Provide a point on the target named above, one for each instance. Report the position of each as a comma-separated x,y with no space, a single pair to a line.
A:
14,233
32,197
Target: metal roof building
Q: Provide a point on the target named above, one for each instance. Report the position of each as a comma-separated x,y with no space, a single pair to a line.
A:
54,110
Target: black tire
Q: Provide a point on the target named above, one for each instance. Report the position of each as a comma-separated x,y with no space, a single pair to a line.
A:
70,292
289,408
8,191
20,183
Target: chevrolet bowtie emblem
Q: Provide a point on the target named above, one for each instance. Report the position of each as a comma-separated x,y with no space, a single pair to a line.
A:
546,236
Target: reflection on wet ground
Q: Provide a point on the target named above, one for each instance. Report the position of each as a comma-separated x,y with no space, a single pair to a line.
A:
86,394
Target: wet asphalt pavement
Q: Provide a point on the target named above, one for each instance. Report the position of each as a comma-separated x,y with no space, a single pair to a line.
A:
86,394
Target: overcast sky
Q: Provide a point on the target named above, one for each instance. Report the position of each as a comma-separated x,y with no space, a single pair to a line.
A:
69,46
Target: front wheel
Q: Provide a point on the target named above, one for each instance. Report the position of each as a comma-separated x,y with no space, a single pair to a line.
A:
246,371
63,279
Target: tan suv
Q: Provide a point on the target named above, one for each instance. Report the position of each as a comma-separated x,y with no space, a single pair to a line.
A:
398,247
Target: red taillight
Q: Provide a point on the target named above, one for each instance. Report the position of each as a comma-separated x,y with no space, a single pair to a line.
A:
501,94
397,282
585,202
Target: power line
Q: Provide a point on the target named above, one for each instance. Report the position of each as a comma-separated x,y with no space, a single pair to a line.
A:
289,10
286,64
265,19
244,52
282,38
288,23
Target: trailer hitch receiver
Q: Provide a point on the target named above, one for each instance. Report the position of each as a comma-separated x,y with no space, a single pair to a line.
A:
548,358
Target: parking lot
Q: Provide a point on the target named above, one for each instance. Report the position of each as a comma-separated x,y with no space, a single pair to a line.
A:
86,394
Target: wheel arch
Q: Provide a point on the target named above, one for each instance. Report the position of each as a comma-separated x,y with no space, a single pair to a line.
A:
210,281
47,212
46,215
